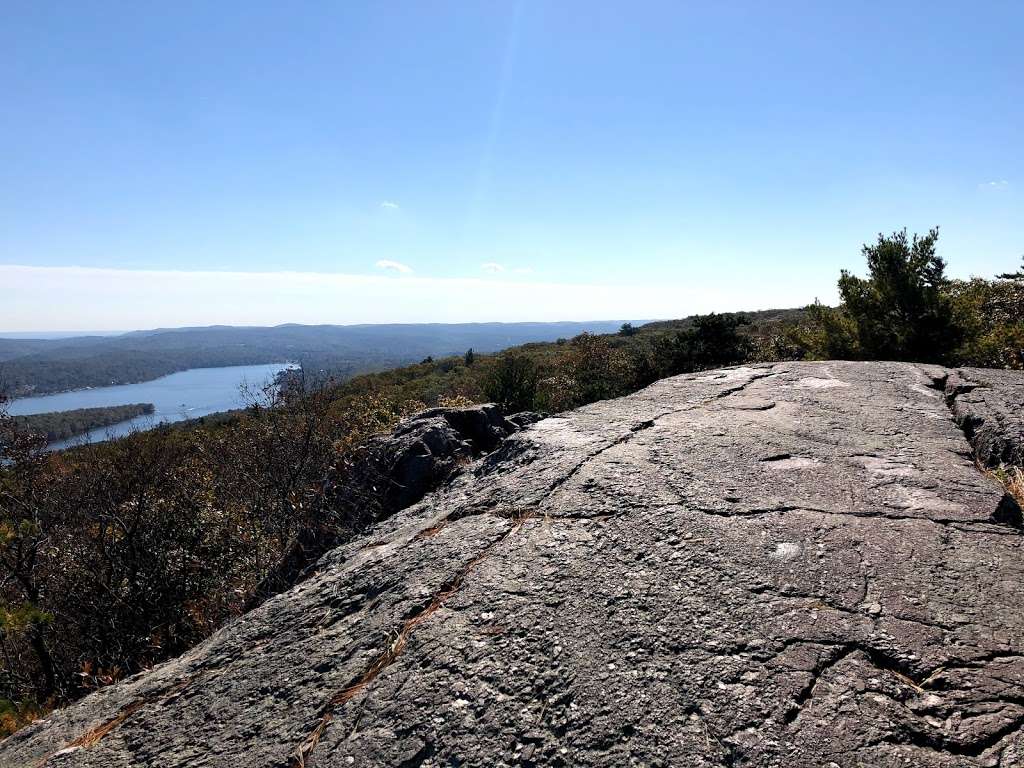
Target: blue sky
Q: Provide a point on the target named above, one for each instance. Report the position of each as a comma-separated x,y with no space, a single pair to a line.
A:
693,156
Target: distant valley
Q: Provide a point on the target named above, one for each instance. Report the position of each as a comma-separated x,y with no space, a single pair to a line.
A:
33,366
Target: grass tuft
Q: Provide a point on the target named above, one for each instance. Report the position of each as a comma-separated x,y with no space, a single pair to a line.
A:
1012,479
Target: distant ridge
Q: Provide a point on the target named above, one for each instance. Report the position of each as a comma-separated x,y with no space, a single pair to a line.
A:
39,365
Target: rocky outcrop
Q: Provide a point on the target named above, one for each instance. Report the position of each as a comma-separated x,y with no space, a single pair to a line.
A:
389,473
426,449
780,565
989,407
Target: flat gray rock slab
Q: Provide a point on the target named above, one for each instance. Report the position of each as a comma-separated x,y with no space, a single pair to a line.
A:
796,564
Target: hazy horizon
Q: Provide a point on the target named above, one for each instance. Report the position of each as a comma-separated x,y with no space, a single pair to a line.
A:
67,334
144,299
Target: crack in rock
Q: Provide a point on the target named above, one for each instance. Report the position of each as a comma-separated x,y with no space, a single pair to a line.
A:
397,645
986,431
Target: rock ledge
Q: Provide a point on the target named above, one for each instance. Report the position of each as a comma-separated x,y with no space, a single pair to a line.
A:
797,564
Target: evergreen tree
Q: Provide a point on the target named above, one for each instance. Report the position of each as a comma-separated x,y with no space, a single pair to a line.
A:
901,311
1018,275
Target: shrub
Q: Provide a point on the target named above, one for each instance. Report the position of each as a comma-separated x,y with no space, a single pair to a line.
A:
512,382
117,555
557,393
713,340
908,310
991,314
600,370
592,369
828,334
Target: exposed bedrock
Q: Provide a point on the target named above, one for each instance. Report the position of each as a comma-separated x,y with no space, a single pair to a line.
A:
393,471
797,564
989,407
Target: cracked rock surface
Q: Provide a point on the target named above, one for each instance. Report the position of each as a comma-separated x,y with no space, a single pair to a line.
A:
796,564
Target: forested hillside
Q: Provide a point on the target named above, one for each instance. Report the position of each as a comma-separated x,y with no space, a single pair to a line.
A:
35,366
60,425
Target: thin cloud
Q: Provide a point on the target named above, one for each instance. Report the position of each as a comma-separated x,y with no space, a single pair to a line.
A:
997,184
492,268
389,205
523,270
395,266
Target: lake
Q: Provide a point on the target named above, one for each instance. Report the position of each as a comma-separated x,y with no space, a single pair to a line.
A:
184,395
